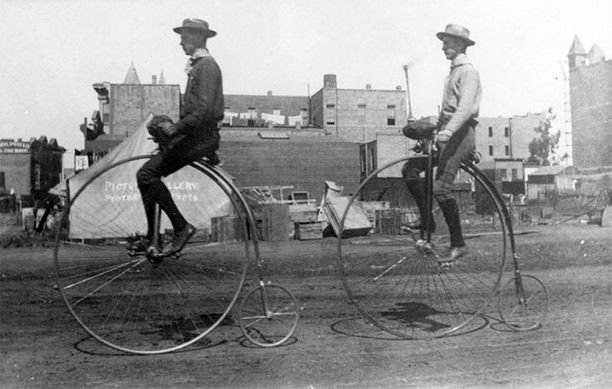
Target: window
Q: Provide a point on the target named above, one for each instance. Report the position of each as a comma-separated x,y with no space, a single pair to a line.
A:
105,113
372,159
490,150
330,114
502,174
490,132
514,174
227,118
390,115
507,150
37,174
506,132
252,117
362,161
361,113
2,180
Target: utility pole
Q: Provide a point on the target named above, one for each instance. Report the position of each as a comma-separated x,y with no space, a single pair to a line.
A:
408,101
567,133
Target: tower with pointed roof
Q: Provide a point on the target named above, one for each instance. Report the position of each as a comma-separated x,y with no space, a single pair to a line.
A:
122,108
596,55
131,76
577,55
590,82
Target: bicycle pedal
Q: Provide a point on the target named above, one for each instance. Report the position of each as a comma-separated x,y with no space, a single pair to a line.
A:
154,256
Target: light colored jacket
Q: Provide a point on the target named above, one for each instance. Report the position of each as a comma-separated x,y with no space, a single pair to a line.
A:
461,98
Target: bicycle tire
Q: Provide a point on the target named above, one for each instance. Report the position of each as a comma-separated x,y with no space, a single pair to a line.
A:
269,315
407,292
523,303
132,305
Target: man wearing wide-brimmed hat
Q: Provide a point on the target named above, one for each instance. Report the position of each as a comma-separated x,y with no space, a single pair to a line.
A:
194,136
456,136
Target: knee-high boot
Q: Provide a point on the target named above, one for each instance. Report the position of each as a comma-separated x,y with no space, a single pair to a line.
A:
417,190
159,193
451,215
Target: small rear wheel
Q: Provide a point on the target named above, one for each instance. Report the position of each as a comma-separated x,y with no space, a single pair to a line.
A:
269,315
523,303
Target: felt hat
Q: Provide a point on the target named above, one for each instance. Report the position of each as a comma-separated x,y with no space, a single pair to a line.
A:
457,31
196,25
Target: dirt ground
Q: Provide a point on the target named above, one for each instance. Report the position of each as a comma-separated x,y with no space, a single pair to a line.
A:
43,347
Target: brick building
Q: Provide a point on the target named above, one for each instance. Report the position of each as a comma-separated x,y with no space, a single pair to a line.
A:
123,107
31,167
357,114
507,137
303,159
266,110
590,81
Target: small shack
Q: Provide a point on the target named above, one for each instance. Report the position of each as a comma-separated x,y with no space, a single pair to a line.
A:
551,179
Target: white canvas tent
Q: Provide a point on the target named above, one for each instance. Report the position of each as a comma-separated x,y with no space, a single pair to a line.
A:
110,206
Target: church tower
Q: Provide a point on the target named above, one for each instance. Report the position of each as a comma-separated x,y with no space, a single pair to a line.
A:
590,82
132,76
577,55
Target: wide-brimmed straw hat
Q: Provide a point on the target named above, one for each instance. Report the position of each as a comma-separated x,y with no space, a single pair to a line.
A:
196,25
458,32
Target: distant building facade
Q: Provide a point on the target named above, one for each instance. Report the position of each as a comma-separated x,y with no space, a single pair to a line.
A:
266,110
279,158
365,123
357,114
123,107
590,82
507,137
30,168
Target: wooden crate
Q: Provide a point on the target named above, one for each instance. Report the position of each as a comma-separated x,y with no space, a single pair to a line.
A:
275,222
225,228
308,231
388,221
303,213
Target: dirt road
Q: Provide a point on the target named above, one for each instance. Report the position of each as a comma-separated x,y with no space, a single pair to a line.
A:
43,347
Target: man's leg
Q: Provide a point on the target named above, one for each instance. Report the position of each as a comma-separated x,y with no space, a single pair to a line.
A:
411,172
460,145
154,191
184,152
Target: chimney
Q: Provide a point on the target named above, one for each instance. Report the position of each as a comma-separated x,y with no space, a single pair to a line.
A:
368,86
269,93
398,87
154,79
329,81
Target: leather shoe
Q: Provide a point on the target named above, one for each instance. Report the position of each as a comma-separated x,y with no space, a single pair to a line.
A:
454,254
139,247
180,240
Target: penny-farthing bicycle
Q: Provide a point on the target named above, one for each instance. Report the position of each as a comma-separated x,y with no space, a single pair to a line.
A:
144,306
401,285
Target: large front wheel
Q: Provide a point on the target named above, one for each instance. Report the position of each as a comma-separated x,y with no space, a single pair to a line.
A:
129,303
397,283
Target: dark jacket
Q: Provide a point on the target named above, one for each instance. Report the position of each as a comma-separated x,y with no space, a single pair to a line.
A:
202,104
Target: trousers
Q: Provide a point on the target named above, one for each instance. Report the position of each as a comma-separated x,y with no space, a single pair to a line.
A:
166,162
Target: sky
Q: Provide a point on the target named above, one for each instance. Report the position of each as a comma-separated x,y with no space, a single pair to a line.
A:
54,50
